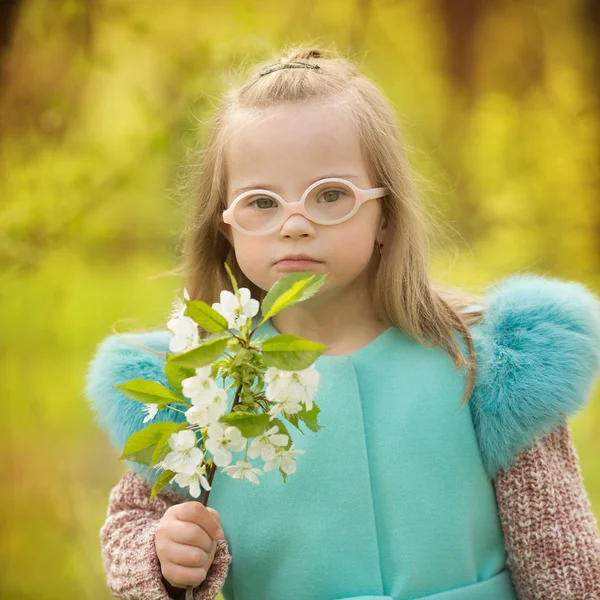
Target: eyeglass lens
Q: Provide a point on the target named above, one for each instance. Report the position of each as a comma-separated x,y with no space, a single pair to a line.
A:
325,203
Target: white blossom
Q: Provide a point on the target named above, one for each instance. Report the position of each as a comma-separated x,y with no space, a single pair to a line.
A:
290,388
209,401
185,455
285,406
193,481
201,388
184,329
236,313
179,306
204,413
222,440
266,444
285,458
150,409
185,334
243,470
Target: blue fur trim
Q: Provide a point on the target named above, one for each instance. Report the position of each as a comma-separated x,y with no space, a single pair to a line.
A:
117,361
538,353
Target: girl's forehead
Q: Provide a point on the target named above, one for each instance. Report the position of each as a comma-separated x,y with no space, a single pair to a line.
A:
298,121
299,138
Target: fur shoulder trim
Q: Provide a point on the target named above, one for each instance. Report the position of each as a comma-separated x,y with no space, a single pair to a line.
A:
538,354
117,360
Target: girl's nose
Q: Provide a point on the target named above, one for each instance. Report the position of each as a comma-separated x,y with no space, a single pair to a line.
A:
297,224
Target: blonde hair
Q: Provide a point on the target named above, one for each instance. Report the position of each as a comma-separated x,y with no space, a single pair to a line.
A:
402,291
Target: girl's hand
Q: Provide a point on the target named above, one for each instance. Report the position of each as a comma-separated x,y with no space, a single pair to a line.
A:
186,542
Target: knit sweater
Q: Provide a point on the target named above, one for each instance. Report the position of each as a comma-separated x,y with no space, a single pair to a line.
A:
127,540
550,531
538,357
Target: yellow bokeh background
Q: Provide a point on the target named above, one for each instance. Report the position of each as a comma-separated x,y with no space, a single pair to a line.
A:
101,103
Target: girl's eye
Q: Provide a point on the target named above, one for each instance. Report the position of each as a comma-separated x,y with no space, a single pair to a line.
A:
331,195
263,202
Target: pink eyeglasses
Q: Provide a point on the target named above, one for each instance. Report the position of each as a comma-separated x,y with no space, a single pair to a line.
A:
326,202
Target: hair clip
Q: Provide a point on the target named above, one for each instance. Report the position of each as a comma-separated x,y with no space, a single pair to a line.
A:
291,65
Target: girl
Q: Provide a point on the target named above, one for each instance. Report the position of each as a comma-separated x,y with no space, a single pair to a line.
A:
426,481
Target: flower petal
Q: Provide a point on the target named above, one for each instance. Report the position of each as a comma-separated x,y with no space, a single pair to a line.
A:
222,457
251,307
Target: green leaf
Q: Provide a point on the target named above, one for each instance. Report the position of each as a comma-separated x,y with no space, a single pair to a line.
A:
310,417
290,352
140,445
250,424
203,355
289,290
162,447
143,456
175,374
206,316
163,479
293,419
233,281
284,475
144,390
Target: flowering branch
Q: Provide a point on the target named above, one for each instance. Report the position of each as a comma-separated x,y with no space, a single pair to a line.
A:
274,381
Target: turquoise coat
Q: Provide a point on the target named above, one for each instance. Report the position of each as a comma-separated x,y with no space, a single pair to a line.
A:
394,497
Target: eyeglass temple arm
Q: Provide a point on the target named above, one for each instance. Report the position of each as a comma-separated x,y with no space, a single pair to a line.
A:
376,193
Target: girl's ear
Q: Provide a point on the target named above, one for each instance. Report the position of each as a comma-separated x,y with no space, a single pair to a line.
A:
225,229
382,230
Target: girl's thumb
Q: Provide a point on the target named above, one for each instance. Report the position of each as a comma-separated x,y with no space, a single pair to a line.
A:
215,514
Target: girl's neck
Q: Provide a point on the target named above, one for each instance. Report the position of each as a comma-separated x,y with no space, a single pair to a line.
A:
343,324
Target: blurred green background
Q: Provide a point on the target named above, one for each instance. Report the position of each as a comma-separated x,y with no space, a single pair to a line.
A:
101,102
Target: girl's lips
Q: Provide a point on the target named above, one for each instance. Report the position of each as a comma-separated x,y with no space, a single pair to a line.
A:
296,264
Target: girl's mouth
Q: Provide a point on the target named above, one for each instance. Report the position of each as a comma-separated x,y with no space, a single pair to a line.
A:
288,264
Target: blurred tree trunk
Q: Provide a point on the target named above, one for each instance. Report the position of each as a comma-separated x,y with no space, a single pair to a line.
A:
460,20
9,16
591,23
40,74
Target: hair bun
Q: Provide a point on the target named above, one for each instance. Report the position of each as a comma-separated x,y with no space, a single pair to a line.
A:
303,54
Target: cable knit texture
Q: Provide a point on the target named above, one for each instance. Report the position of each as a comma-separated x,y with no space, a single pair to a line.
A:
550,531
127,543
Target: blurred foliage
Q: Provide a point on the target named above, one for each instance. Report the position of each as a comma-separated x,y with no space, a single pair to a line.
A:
101,102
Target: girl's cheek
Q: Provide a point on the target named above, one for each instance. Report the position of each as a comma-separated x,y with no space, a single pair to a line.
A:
255,260
352,252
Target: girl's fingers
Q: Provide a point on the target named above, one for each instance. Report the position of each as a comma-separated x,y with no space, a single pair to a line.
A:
214,513
180,576
190,535
195,512
188,556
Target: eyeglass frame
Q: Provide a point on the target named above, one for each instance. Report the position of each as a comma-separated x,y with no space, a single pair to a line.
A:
298,207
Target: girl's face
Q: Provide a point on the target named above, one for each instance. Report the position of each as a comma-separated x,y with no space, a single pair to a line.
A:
284,150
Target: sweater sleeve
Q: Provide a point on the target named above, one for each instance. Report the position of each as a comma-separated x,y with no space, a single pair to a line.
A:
129,556
550,531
